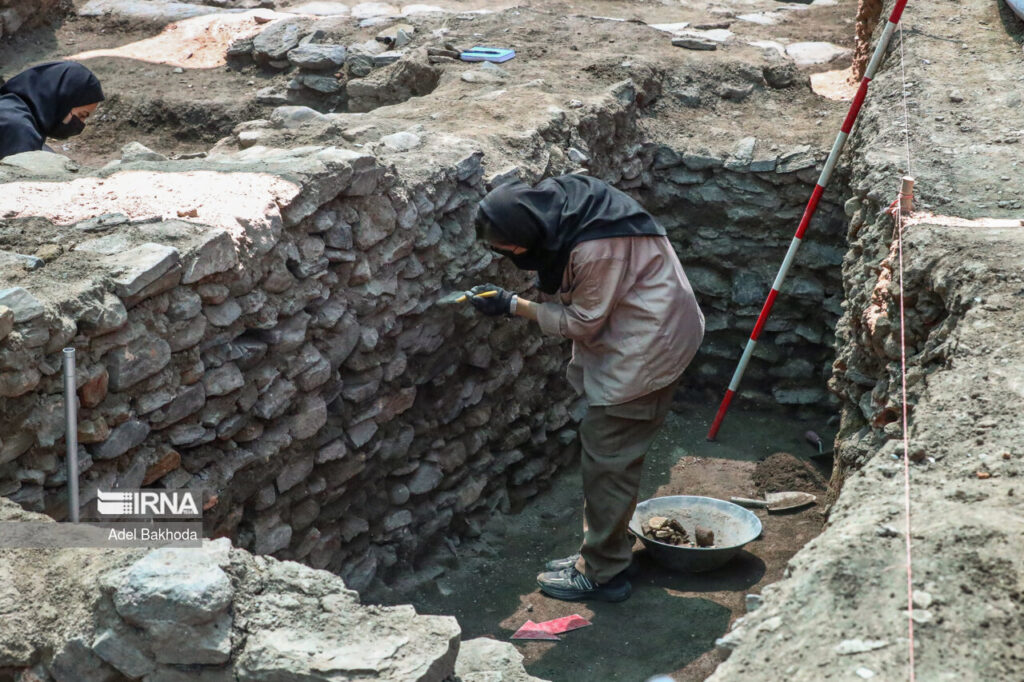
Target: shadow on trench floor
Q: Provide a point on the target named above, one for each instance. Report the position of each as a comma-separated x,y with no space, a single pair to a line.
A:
670,623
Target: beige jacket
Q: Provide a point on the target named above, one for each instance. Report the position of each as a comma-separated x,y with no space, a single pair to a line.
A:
631,314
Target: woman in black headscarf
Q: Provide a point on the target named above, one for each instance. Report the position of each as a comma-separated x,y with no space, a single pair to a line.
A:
49,100
549,220
623,299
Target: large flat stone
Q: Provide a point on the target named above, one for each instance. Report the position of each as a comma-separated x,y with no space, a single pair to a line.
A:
40,163
12,259
141,266
22,304
121,440
322,9
317,57
122,652
182,643
75,662
278,39
153,12
811,53
488,660
217,253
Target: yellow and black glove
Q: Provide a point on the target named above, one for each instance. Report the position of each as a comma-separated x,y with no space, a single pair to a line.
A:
498,304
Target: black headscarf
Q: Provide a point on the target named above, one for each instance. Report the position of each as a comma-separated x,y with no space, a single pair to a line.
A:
548,220
33,104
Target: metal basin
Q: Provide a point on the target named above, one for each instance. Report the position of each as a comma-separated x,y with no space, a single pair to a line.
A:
733,526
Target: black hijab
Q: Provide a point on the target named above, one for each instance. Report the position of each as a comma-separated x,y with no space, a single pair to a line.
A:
33,104
548,220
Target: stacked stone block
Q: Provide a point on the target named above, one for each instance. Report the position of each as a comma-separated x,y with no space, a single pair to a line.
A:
302,376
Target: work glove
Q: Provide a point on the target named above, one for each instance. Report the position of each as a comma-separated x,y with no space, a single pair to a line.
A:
499,304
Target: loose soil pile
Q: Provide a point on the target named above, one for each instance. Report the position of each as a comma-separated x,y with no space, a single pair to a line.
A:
784,472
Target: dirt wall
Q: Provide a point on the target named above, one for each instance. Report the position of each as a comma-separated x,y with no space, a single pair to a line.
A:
843,608
18,14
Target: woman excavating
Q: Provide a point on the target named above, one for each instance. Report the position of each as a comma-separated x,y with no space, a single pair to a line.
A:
52,100
623,299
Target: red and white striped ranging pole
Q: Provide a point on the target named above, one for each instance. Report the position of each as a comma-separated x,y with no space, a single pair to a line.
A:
812,206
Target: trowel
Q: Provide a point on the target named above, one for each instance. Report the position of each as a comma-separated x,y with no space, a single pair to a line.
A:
777,501
460,297
814,439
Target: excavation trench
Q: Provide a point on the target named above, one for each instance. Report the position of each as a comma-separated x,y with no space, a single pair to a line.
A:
261,326
334,415
730,228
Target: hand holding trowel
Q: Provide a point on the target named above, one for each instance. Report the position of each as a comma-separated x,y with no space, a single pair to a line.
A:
461,296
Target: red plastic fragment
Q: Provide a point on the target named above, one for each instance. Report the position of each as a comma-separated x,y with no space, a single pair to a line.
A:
550,629
564,624
530,630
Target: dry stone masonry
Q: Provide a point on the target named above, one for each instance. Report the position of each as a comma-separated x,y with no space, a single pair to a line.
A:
280,348
297,371
333,73
731,217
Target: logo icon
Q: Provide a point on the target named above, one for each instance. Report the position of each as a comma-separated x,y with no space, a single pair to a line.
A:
114,503
147,503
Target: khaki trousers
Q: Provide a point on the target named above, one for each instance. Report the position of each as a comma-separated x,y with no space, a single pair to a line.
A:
615,439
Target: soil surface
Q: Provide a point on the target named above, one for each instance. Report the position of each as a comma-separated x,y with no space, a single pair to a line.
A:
670,623
170,88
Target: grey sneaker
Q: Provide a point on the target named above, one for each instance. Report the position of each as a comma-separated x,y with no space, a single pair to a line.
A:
571,585
561,564
568,562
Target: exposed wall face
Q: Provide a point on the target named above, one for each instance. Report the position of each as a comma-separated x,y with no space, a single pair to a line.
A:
731,219
288,357
285,353
18,14
308,382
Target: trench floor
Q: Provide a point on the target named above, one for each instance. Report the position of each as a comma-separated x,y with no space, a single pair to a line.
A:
670,623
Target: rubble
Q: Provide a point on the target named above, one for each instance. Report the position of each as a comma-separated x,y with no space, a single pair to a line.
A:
163,613
666,530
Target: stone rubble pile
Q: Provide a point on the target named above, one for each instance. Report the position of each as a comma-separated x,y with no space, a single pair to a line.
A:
332,74
18,14
215,614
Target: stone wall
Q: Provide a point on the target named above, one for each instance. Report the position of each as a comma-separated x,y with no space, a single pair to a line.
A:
731,218
332,71
262,325
298,371
18,14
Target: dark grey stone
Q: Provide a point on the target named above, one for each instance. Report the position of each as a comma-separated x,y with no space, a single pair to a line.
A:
121,440
317,57
140,359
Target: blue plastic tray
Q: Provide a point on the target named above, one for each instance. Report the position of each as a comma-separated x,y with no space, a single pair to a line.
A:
488,54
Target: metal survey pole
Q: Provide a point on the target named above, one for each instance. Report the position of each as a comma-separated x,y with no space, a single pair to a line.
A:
812,206
71,431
